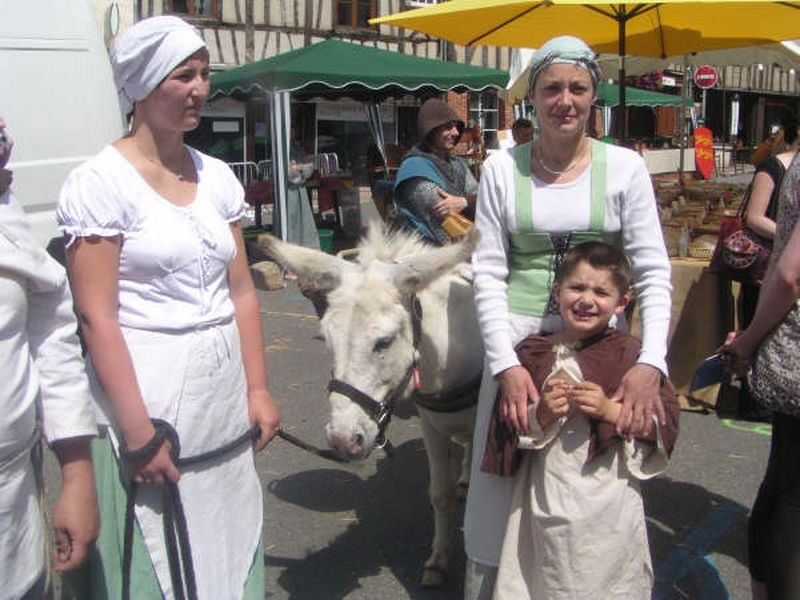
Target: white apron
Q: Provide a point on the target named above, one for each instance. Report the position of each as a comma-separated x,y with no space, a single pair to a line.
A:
195,381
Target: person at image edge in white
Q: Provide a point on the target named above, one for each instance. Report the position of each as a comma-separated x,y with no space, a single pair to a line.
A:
45,393
171,323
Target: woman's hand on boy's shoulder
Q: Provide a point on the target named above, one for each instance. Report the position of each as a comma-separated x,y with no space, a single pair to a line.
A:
639,393
516,393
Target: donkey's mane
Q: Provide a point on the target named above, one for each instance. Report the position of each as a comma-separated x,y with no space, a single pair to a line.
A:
383,246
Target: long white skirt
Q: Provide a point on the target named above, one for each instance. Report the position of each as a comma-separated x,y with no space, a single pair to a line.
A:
195,381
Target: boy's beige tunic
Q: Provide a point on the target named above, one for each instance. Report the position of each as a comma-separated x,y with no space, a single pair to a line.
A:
576,528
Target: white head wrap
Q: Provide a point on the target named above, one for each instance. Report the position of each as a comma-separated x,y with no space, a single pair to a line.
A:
143,55
565,49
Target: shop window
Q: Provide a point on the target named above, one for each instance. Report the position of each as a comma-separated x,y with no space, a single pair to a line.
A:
194,8
355,13
484,112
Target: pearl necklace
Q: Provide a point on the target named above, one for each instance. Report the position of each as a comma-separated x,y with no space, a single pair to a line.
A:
556,172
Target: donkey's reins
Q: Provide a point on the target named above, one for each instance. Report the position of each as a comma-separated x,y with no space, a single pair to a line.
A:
325,453
381,411
176,533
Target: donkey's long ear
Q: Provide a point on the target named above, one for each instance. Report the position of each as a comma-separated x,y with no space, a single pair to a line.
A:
415,272
315,269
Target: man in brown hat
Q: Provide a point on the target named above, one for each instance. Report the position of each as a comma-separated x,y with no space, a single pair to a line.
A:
431,182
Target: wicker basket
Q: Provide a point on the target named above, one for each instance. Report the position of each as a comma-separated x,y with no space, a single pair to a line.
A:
672,233
702,247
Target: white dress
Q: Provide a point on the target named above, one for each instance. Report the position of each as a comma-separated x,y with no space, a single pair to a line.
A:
576,529
41,363
176,315
630,208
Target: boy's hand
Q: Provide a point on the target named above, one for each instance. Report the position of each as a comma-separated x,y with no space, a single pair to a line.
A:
591,400
555,402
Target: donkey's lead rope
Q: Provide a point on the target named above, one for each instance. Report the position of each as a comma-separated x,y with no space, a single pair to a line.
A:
176,533
322,453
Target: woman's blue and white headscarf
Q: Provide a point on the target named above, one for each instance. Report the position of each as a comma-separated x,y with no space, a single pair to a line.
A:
565,49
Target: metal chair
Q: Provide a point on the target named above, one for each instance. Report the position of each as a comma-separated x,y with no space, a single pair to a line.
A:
245,171
257,191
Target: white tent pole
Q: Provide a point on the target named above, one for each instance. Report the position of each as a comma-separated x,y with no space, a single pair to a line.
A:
375,122
280,120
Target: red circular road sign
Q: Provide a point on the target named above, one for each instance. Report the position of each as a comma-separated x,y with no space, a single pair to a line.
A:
705,77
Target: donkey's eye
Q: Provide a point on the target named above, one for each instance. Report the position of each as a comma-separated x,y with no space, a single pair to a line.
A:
382,344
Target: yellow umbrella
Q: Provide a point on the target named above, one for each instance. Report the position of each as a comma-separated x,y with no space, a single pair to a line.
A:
640,28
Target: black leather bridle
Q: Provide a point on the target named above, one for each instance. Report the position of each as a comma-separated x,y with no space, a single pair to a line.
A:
380,411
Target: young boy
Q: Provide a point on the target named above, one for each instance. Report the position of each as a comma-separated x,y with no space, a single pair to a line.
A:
576,529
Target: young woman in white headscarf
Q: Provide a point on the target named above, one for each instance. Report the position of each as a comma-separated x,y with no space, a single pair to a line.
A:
170,319
535,201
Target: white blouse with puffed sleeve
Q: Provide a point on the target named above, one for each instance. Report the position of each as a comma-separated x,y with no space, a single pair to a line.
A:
173,259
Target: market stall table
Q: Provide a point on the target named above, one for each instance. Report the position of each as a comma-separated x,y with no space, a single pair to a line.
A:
338,196
668,160
703,312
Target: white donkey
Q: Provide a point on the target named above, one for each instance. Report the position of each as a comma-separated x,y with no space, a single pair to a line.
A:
400,323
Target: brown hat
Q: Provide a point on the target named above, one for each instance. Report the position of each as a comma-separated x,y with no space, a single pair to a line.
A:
434,113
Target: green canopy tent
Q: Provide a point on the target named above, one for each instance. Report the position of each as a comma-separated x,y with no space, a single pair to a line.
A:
608,98
608,95
333,69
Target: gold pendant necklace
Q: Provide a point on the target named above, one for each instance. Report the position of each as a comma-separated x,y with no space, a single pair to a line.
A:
177,174
556,172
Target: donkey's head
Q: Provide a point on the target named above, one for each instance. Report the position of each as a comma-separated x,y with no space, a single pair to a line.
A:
369,325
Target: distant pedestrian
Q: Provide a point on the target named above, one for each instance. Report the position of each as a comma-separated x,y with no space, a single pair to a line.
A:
432,182
522,131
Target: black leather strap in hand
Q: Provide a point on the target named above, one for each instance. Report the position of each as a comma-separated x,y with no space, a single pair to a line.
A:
163,432
176,533
176,536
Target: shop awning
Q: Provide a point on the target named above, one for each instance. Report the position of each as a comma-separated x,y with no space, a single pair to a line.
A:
355,71
608,95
